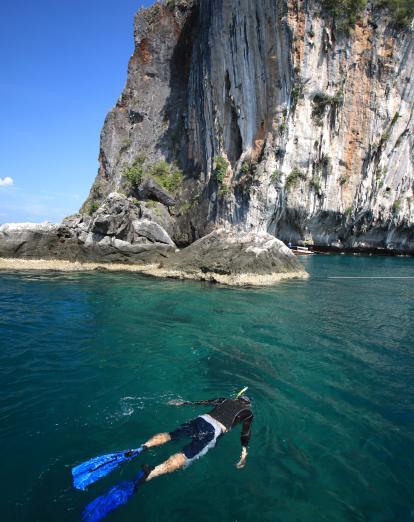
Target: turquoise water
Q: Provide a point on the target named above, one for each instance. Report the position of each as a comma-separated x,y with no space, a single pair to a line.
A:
88,363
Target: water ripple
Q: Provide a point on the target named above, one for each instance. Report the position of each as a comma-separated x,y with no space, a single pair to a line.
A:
88,363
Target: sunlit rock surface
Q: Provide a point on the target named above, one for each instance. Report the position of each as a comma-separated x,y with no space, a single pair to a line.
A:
315,124
118,232
232,256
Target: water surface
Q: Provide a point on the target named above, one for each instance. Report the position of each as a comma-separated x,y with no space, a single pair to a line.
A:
88,363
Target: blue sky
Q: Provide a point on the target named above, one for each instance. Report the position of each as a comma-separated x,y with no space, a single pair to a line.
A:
62,67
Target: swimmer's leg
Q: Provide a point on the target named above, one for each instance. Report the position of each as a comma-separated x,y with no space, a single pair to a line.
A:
158,440
174,463
203,438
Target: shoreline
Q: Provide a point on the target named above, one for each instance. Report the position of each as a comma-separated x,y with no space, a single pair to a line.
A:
61,265
359,251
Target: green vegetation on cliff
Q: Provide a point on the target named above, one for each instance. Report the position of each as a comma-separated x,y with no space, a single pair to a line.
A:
91,207
402,11
135,173
322,100
346,12
294,177
94,200
220,169
165,174
245,168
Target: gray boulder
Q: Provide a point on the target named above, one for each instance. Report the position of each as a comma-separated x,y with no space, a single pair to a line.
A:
35,241
152,231
235,257
109,249
114,234
77,221
149,189
114,216
155,211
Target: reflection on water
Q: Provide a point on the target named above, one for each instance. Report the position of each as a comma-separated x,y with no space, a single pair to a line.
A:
88,363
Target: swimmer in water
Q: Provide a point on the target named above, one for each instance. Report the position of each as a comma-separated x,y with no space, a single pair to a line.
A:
203,431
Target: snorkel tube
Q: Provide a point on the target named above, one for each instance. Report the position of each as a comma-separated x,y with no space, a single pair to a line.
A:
241,392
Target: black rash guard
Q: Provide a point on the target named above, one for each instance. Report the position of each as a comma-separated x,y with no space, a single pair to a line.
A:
230,412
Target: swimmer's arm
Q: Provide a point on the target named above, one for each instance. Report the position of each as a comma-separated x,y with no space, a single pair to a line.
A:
206,402
245,439
243,457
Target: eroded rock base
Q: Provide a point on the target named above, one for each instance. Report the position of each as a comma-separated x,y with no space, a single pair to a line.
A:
226,256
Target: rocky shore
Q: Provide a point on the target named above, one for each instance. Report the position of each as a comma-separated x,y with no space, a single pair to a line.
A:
125,235
290,128
60,265
233,257
119,232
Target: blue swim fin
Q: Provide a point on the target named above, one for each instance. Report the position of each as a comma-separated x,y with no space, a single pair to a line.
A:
115,497
93,469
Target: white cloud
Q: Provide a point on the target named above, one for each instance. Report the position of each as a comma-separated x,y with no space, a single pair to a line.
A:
6,182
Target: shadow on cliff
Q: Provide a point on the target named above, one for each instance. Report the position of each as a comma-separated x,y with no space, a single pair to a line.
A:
174,142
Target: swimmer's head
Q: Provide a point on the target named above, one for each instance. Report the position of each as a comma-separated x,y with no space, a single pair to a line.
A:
241,393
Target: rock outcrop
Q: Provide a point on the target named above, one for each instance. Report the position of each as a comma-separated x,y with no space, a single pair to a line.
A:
235,257
118,232
241,122
122,231
281,121
226,256
33,240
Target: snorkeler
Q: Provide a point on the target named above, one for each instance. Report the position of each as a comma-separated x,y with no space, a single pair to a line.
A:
204,432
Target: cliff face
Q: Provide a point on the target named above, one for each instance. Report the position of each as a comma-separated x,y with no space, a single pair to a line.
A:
279,121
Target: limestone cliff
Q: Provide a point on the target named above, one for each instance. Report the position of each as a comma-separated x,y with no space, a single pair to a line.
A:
279,121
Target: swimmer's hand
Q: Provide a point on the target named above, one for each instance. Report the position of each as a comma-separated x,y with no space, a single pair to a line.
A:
243,457
174,402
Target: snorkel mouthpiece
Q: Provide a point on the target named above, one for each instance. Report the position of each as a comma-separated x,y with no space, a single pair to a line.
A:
241,392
